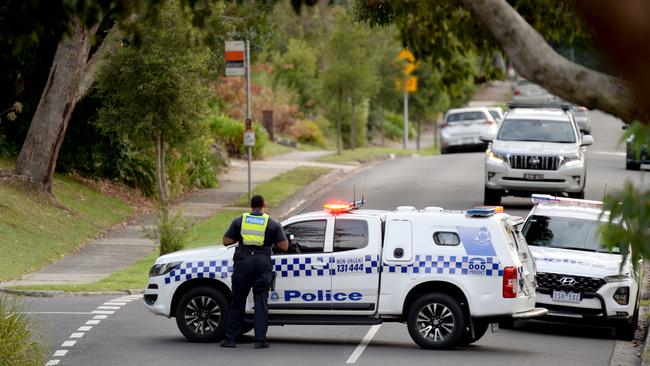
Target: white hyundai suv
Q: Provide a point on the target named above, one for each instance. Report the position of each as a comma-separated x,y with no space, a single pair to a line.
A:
535,150
577,279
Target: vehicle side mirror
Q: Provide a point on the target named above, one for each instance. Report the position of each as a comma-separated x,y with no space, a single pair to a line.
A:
587,140
486,136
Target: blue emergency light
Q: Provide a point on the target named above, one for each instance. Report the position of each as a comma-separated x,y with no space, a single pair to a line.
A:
483,211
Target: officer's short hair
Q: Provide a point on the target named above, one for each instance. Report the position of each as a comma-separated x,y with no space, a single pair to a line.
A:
257,201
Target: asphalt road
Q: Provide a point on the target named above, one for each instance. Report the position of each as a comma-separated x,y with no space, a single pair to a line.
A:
123,332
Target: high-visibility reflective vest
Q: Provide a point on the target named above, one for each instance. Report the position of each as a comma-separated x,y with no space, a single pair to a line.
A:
253,228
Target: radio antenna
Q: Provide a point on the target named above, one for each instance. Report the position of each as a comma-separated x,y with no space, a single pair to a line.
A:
354,194
605,192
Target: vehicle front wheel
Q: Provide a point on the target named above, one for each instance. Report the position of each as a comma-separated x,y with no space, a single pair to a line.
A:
436,321
630,165
201,314
480,327
491,197
626,329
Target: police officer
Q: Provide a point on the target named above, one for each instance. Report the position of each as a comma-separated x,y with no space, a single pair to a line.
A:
256,234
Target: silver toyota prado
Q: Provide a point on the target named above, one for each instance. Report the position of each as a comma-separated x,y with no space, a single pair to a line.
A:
535,150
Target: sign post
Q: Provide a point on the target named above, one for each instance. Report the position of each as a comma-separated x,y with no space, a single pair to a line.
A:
238,64
408,84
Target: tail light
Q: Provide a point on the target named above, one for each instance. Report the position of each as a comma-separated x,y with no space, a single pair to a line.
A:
517,92
488,122
510,280
443,126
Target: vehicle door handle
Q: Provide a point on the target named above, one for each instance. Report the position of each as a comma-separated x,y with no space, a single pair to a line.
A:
398,253
317,265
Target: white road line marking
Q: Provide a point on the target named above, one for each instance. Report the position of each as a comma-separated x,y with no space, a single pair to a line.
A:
364,343
56,312
108,308
105,312
60,353
84,328
52,362
111,303
77,335
68,343
93,322
100,317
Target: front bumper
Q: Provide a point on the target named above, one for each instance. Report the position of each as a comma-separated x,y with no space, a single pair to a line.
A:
158,296
461,141
500,176
598,307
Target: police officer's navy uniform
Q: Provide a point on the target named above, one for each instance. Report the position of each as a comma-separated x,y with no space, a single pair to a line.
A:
256,234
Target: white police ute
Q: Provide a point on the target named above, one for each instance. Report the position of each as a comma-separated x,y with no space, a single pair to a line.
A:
447,274
579,280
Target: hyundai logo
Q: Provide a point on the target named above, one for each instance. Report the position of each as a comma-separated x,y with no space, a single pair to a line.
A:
568,281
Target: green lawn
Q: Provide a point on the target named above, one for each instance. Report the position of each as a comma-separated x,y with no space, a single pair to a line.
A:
273,149
35,232
205,233
284,185
366,154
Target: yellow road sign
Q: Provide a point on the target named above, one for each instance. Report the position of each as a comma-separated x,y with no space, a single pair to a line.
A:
409,85
406,55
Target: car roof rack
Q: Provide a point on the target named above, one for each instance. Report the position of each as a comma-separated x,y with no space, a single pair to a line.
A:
563,106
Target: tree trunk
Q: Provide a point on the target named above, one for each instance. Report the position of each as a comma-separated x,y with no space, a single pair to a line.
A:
338,126
71,75
161,175
417,138
535,60
37,159
353,126
382,132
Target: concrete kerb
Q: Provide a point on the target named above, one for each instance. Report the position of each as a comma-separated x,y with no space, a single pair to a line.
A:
40,293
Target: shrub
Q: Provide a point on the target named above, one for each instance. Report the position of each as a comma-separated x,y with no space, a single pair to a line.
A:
308,132
230,133
173,232
394,126
137,169
20,343
194,165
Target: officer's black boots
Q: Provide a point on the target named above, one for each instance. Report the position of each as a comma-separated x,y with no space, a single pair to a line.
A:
261,345
228,344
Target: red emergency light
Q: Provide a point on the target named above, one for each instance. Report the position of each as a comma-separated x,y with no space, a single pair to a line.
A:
336,207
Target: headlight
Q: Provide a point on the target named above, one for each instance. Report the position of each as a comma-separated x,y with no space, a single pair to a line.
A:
618,278
622,295
571,159
163,268
496,156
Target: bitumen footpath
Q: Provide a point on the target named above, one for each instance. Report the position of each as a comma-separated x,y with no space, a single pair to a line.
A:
128,243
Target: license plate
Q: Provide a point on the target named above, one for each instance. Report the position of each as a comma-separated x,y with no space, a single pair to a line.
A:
534,176
566,296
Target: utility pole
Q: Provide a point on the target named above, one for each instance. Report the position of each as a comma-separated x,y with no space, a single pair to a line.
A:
249,123
406,119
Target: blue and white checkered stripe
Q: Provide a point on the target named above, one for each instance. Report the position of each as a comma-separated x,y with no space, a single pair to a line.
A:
449,265
301,266
200,269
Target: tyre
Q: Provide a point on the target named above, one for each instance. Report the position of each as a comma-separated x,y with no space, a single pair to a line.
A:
630,165
201,314
436,321
491,197
625,329
443,151
480,327
578,195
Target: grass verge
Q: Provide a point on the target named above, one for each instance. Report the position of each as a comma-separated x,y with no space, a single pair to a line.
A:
366,154
273,149
35,232
207,232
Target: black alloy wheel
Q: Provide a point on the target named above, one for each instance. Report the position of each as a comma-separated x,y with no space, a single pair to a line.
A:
436,321
201,314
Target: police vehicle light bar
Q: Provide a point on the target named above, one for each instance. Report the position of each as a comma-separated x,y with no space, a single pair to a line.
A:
483,211
548,199
336,206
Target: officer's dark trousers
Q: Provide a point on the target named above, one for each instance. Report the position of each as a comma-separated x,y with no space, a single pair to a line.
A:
253,271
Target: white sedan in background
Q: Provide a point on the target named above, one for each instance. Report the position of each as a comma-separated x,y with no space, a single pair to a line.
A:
462,128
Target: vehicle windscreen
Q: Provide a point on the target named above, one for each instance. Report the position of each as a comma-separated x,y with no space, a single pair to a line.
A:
495,115
564,233
465,116
536,130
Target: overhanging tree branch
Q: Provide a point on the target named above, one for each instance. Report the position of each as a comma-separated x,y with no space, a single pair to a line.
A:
536,60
